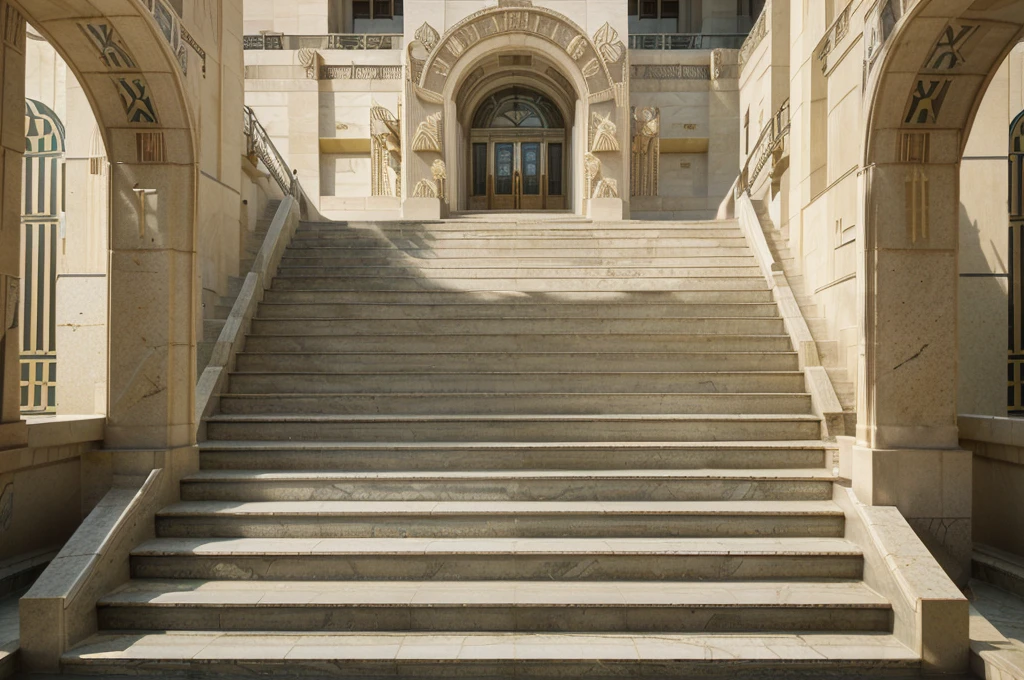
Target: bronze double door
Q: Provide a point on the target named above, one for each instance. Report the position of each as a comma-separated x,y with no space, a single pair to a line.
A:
517,173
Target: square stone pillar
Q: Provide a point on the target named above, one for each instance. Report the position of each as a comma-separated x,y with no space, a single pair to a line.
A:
13,430
907,451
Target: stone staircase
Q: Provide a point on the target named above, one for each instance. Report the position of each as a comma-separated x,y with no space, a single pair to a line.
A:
215,318
498,450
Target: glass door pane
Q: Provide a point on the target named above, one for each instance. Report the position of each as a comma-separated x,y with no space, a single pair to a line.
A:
531,168
554,169
503,167
479,169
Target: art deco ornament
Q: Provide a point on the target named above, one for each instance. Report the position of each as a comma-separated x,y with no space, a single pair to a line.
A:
603,134
428,134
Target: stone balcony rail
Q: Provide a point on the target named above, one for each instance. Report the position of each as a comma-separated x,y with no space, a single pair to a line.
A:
330,41
686,41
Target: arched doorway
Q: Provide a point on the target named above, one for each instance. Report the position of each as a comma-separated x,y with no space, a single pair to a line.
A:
516,45
927,70
517,158
131,63
1015,298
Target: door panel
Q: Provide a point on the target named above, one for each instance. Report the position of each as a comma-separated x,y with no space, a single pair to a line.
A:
504,176
529,154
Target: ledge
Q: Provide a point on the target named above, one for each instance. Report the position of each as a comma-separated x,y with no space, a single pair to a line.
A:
52,439
992,429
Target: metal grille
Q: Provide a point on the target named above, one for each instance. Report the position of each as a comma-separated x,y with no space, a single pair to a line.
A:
42,207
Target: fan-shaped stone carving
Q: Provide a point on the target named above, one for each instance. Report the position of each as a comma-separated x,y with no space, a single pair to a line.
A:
603,131
427,36
606,188
425,189
428,134
608,44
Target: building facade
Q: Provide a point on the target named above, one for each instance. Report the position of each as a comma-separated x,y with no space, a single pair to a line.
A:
599,111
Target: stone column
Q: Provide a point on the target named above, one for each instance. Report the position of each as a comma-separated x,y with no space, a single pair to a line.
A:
152,332
907,451
13,430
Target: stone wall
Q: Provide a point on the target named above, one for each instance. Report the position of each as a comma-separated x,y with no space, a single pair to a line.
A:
998,478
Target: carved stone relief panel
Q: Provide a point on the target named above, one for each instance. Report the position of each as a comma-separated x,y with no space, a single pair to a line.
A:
602,133
385,152
646,151
428,134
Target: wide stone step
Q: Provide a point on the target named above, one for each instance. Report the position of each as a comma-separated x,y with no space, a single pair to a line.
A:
499,606
421,250
325,455
570,403
522,325
514,428
520,235
623,285
497,559
514,309
553,242
500,519
536,272
499,656
436,297
267,362
298,341
522,228
433,261
521,382
535,485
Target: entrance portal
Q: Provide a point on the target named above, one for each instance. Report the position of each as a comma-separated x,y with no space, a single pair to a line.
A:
517,153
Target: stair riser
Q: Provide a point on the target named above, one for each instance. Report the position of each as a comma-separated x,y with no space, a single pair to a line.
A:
321,662
513,231
429,260
538,273
608,243
526,490
517,383
492,525
529,431
426,297
498,459
507,361
549,285
313,326
603,310
500,618
484,404
506,251
491,567
296,341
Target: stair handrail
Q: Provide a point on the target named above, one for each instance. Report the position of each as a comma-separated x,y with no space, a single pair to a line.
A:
259,145
771,139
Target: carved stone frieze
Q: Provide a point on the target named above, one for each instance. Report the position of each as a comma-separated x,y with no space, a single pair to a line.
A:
440,174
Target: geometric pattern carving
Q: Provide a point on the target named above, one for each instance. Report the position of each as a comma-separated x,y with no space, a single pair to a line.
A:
428,134
603,134
136,99
113,52
385,152
915,147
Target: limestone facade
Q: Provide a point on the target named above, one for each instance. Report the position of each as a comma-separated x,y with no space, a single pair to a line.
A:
435,66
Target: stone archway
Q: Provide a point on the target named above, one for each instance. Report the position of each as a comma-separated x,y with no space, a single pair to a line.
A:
128,58
441,67
928,66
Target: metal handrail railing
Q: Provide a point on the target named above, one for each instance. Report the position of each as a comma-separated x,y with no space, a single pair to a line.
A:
686,41
258,145
770,139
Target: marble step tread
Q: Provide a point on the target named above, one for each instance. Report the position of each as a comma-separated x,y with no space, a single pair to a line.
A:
507,475
577,655
510,547
492,447
759,594
514,418
496,508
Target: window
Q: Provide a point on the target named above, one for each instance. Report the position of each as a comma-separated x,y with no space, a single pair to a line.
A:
377,9
654,9
554,169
